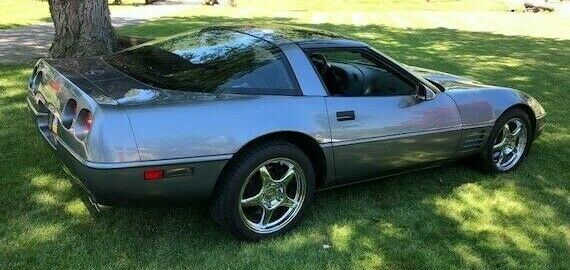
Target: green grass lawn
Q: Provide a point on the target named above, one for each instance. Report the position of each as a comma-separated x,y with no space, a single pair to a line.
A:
374,5
18,13
15,13
443,218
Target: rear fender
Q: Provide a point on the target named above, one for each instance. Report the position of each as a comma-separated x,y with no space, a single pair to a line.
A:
110,139
221,125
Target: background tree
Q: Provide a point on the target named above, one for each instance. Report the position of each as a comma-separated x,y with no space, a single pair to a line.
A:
82,28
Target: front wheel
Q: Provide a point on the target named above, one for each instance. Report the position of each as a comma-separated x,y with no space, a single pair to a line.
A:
508,143
265,191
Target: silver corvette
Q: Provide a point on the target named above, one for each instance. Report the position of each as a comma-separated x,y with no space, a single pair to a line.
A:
254,120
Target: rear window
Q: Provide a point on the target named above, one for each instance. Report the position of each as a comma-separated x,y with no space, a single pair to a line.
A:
214,61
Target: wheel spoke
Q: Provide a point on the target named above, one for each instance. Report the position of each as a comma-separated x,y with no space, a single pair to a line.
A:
500,144
501,157
265,176
517,130
289,203
252,201
266,216
506,131
288,176
507,158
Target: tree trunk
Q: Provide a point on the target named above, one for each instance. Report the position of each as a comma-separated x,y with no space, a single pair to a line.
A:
82,28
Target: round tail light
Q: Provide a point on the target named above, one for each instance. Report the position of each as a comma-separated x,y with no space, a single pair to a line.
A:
88,121
83,124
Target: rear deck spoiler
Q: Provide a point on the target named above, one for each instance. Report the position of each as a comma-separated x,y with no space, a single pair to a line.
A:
65,74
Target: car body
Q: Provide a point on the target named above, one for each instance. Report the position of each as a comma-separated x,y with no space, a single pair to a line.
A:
126,139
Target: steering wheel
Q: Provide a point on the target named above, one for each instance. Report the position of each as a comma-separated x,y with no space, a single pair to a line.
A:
320,62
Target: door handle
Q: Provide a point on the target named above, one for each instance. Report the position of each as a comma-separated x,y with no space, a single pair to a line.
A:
345,116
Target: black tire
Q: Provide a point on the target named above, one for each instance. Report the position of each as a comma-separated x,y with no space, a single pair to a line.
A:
225,206
485,158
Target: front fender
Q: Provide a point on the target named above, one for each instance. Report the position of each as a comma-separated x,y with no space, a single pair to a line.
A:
480,106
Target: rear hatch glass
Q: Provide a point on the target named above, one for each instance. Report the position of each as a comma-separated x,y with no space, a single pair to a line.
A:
213,61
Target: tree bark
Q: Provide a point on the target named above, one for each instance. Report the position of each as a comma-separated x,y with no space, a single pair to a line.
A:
82,28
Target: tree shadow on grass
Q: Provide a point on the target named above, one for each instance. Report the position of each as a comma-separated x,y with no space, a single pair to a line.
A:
447,217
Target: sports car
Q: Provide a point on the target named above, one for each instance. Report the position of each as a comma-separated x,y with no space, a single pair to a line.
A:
253,120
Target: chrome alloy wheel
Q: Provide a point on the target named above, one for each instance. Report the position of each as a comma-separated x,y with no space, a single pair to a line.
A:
272,195
510,144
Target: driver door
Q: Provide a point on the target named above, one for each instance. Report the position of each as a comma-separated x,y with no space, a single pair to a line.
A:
378,124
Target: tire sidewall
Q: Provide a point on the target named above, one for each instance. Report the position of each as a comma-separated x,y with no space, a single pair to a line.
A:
244,169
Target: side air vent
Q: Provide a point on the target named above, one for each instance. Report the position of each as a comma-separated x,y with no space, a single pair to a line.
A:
473,139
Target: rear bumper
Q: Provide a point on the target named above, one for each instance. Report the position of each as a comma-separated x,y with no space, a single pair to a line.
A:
117,184
126,185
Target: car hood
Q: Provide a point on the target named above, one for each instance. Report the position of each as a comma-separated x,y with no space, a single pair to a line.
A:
446,80
475,98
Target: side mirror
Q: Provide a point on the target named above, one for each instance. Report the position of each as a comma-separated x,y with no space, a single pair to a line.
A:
424,93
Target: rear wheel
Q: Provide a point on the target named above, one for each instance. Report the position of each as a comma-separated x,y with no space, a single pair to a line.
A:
265,191
508,143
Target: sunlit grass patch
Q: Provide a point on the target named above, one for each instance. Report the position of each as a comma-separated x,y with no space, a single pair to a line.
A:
550,25
373,5
21,13
15,13
503,217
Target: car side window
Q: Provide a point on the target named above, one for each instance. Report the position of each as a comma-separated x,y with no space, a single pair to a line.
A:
351,72
212,61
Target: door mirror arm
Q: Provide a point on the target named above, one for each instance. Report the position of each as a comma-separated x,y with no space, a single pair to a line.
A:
423,93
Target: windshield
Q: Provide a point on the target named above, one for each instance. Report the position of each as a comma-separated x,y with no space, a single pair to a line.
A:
214,61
